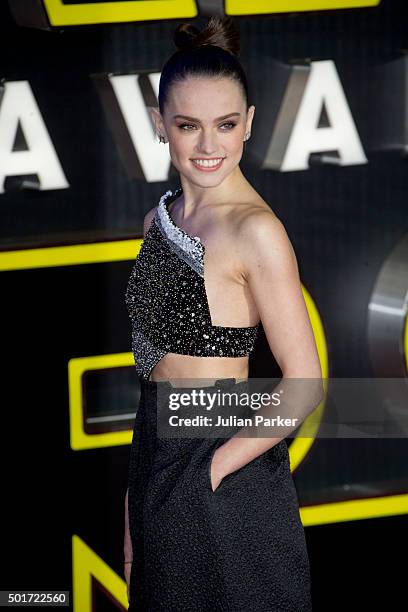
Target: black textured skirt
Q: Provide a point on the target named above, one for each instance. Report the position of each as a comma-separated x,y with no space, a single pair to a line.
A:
241,548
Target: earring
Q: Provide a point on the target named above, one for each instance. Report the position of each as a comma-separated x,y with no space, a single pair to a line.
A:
161,138
247,135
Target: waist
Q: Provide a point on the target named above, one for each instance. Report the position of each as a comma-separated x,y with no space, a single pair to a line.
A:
181,384
176,367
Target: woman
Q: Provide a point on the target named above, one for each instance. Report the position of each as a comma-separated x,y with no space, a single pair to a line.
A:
212,524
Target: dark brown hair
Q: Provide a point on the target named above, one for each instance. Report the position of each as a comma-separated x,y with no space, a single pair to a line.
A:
211,52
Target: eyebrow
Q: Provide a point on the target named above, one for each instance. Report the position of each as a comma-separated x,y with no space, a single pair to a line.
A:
194,119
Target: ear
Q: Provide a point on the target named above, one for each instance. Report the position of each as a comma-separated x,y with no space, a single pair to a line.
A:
157,121
250,116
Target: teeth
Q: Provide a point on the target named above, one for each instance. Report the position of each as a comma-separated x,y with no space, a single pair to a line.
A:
207,163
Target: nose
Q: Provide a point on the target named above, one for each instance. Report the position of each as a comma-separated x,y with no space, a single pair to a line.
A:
207,143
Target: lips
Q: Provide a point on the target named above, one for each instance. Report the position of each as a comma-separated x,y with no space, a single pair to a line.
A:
207,168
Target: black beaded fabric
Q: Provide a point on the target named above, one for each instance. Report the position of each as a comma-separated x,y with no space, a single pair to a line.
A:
238,548
167,301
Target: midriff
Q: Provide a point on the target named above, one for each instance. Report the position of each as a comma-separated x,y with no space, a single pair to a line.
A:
174,367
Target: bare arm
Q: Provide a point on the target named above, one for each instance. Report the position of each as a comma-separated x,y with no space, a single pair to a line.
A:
271,271
127,545
127,548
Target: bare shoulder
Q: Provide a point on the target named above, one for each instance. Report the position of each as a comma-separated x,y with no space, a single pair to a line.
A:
262,236
147,221
257,221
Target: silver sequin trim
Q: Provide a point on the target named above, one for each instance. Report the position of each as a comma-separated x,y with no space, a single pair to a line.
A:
187,247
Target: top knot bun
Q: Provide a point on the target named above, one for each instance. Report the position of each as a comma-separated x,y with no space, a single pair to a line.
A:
221,32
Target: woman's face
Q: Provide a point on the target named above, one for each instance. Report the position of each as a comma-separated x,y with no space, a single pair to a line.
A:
206,119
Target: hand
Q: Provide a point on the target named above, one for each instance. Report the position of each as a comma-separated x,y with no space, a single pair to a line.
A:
216,474
128,568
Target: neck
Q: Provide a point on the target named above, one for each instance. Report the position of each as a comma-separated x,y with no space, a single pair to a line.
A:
194,196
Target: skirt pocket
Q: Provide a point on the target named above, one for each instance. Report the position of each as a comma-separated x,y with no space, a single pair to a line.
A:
208,468
242,473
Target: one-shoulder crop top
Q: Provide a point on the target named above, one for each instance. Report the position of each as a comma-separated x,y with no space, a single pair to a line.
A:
167,302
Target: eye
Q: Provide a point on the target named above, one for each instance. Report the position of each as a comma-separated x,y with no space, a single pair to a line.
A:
182,126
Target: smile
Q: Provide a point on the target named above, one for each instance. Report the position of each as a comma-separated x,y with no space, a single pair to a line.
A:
208,165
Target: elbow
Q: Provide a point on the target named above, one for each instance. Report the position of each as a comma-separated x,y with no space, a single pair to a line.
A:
315,390
311,384
320,391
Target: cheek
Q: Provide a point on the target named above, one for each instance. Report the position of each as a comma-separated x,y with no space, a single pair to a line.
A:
235,150
178,155
178,143
182,148
235,142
